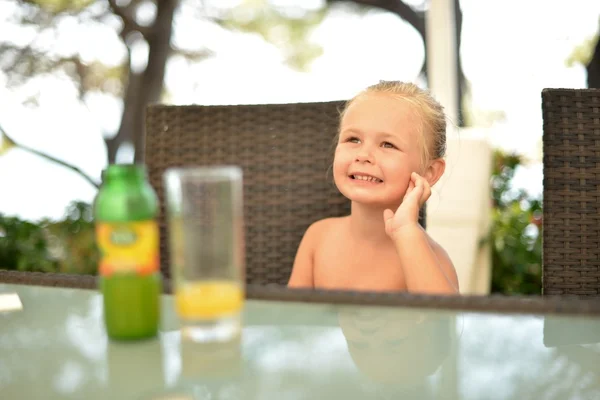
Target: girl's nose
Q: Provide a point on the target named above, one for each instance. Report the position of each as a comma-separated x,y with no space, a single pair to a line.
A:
364,155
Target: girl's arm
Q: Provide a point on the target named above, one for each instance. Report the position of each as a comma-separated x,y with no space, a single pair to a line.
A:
426,265
302,272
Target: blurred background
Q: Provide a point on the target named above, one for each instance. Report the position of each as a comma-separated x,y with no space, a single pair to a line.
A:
76,76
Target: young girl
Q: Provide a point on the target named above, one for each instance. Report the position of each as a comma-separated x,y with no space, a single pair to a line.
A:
389,153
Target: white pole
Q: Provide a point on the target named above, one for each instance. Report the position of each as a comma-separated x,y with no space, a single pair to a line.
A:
440,30
441,67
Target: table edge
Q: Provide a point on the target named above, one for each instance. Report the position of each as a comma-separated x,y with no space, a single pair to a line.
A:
561,305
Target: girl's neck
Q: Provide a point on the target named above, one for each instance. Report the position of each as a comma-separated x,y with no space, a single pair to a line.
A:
367,224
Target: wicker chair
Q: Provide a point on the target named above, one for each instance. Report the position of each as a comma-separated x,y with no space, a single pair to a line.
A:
285,151
571,236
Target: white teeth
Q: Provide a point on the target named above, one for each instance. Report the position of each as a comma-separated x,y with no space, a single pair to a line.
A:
366,178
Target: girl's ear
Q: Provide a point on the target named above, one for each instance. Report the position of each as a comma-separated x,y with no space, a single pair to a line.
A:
435,170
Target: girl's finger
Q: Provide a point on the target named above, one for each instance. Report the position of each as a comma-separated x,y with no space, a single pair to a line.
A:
414,177
410,188
415,194
426,192
418,180
388,215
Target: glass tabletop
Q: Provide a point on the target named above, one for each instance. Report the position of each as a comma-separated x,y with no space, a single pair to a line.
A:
55,347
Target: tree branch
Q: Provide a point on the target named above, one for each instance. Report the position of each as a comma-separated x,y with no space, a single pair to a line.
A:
25,62
405,12
48,157
193,55
125,13
127,16
399,8
20,53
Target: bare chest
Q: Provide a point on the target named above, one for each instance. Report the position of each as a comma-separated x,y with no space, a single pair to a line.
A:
338,264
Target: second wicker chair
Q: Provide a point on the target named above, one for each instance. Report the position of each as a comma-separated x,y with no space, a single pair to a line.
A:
571,257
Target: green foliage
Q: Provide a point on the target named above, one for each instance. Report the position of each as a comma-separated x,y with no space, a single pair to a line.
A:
582,53
58,6
515,236
66,246
74,240
24,246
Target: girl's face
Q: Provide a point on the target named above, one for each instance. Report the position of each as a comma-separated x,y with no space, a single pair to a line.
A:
377,150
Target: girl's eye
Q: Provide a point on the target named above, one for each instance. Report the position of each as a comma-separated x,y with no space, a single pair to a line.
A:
388,145
353,140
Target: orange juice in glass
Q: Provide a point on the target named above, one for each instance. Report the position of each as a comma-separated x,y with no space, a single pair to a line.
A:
205,214
209,299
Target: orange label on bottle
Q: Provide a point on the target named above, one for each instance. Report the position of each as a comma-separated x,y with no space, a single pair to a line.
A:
128,247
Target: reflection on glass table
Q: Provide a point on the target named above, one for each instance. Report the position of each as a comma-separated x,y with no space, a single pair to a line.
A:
55,347
398,350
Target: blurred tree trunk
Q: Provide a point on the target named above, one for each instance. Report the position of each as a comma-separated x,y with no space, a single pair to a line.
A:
143,87
593,67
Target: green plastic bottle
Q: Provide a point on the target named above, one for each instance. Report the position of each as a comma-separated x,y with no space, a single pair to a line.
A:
125,213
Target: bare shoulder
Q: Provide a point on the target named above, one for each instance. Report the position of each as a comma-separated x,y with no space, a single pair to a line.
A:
319,230
444,260
302,271
439,250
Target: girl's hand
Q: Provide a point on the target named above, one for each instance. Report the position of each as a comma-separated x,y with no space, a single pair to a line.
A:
407,215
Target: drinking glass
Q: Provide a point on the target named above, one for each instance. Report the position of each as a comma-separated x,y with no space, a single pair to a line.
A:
206,243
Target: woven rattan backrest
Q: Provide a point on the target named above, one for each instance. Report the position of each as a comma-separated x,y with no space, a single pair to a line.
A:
571,226
285,151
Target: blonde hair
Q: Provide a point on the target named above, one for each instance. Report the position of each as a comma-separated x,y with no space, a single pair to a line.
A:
432,130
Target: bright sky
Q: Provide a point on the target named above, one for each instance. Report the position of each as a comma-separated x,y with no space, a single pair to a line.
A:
511,50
